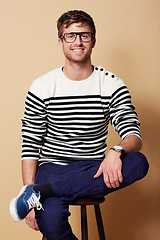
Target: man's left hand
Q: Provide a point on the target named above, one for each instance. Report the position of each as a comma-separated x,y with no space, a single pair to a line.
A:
111,167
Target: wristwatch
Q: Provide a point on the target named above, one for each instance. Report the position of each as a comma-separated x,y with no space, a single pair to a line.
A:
118,149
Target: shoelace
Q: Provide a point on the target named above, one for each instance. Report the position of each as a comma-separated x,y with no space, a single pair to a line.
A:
33,202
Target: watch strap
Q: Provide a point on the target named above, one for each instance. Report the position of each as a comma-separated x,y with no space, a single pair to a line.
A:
118,149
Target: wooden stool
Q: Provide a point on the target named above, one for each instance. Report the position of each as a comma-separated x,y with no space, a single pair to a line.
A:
83,202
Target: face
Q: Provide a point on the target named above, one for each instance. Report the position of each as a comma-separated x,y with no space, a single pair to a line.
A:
78,51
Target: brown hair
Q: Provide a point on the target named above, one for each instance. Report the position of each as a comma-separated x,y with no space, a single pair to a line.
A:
74,16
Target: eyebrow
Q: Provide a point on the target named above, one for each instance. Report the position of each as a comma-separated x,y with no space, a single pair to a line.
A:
76,32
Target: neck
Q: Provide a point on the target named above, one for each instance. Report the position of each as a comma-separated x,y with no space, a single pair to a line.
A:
78,72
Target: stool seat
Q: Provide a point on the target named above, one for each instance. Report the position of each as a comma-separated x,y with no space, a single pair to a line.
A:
83,202
87,201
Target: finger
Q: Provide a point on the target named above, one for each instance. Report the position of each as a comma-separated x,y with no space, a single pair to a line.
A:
106,180
99,172
36,226
120,176
117,179
112,180
26,221
33,224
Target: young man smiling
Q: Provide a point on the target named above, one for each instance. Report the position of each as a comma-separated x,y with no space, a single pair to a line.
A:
64,133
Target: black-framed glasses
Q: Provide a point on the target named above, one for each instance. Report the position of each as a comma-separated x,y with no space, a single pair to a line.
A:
84,36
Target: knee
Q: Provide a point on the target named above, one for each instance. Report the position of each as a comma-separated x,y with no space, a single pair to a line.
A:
141,163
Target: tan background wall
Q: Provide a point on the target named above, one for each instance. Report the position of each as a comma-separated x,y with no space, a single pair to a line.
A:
128,36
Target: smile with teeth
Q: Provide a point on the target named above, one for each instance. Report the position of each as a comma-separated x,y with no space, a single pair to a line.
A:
78,49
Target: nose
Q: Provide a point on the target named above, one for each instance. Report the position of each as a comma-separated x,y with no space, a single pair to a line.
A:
78,40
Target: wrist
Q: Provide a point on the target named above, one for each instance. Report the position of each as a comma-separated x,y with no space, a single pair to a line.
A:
111,154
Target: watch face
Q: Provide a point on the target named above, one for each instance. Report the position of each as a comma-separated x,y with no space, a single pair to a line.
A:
118,148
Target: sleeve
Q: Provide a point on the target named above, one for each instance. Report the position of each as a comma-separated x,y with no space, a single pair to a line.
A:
33,126
122,115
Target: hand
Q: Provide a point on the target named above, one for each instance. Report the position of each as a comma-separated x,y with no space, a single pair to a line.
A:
31,221
111,167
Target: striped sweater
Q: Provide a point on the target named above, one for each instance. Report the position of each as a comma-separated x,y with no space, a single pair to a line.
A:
67,120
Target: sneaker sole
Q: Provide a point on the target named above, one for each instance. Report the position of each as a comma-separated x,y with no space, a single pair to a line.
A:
13,206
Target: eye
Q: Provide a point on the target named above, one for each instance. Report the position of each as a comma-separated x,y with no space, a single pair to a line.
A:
70,36
85,36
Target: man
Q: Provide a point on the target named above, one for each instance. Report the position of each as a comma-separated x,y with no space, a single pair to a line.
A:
64,133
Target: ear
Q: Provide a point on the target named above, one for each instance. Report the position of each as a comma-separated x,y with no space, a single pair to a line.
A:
60,43
93,42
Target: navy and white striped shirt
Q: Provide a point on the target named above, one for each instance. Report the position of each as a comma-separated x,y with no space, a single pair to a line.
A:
67,120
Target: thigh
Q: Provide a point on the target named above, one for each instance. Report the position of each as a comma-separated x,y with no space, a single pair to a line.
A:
79,181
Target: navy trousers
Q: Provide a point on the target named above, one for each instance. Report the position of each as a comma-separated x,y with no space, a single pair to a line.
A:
77,180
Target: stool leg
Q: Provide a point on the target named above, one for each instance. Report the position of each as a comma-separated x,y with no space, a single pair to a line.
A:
84,222
44,238
99,222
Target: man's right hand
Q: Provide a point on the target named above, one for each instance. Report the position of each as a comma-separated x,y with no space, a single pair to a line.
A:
31,221
29,167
